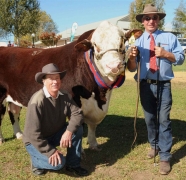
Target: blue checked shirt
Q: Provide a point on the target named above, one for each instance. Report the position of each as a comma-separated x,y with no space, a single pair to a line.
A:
170,43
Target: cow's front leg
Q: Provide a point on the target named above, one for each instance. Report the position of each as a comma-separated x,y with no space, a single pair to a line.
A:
2,113
92,137
14,112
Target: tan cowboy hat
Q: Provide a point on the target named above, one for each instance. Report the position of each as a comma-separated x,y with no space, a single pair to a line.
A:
150,9
48,69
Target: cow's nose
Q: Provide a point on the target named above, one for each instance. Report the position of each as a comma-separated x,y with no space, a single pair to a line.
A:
115,70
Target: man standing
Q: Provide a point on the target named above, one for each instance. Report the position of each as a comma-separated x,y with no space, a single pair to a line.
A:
156,80
46,126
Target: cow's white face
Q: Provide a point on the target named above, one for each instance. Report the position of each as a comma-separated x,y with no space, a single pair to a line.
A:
108,43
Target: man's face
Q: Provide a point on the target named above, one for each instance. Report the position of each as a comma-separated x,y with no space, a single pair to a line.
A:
52,83
150,22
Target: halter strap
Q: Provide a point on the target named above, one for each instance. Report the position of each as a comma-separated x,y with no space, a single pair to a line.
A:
120,80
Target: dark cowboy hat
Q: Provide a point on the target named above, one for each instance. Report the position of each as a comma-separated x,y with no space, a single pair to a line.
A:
150,9
48,69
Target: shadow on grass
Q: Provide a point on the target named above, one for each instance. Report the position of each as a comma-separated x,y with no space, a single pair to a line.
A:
119,132
10,138
179,134
118,135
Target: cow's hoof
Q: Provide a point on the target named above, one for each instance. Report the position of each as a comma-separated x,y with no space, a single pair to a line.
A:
19,135
83,156
95,148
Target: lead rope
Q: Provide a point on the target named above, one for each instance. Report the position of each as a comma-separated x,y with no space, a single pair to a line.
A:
137,100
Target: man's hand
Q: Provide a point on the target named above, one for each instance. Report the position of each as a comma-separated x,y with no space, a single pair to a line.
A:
162,53
131,63
159,51
133,52
55,159
66,139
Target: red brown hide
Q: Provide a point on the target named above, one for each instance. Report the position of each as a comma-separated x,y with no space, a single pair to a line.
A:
18,67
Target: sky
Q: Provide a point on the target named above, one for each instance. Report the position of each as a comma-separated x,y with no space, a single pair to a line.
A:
65,12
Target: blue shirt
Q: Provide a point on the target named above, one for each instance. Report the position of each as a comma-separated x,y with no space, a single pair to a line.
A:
170,43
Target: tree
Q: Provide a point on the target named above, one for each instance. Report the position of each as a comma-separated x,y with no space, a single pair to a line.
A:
50,39
179,21
137,7
3,34
46,24
25,41
19,17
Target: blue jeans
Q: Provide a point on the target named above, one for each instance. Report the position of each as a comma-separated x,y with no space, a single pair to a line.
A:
73,157
148,96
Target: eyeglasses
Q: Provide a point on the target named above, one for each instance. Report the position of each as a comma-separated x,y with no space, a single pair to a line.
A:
147,18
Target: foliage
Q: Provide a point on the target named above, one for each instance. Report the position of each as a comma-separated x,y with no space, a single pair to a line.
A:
49,39
179,22
137,7
46,24
3,34
22,18
25,43
19,17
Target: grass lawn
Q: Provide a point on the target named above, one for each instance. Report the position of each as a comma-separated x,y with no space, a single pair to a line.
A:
180,68
116,160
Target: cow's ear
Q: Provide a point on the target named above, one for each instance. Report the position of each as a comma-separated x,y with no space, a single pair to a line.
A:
86,35
84,45
83,42
137,33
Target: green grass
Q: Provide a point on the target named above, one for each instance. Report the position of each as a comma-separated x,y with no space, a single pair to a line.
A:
180,68
115,134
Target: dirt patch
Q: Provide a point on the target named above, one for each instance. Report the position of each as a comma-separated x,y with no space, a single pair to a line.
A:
178,76
146,175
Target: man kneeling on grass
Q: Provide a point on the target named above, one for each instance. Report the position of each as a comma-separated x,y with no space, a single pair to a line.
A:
46,126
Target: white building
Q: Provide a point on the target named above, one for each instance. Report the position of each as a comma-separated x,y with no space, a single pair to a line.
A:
121,21
4,44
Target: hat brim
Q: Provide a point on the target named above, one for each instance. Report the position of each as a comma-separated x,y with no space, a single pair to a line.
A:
140,16
39,76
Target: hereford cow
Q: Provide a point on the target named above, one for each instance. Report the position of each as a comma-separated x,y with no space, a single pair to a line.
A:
94,67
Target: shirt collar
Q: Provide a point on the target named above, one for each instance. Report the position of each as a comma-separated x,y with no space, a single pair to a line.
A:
47,94
147,35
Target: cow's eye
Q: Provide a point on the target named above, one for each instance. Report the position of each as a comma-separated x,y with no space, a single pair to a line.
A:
97,48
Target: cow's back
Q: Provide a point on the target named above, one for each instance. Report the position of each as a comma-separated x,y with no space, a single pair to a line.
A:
18,67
